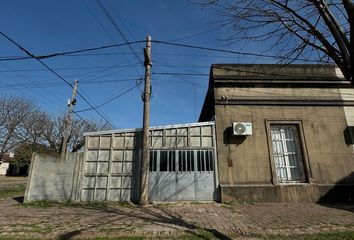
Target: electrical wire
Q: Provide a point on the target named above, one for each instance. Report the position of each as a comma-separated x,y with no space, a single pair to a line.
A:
117,28
56,74
63,69
68,52
180,74
153,41
194,35
112,99
108,34
223,50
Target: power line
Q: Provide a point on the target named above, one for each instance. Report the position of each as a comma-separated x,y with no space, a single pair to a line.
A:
154,41
157,64
226,51
40,93
51,85
64,69
106,31
98,21
116,27
78,93
68,52
93,76
56,74
194,35
120,32
112,99
180,74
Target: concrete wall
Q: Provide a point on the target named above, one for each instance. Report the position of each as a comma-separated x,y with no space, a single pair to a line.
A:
53,180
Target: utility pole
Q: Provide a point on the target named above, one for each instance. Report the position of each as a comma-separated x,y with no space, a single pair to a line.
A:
67,122
146,97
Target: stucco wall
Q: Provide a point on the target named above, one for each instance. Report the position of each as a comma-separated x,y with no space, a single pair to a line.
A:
329,157
315,97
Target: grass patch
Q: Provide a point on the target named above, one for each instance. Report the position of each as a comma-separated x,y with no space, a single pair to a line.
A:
32,228
100,204
44,204
118,238
12,192
321,236
19,238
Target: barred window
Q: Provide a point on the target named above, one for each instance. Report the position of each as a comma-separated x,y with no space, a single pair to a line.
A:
185,161
181,161
287,153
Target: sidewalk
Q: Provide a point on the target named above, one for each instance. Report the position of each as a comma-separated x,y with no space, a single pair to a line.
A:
173,221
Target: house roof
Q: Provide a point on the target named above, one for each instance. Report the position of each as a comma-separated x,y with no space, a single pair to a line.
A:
271,73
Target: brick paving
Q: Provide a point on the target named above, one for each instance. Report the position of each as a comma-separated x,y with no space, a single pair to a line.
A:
220,221
168,220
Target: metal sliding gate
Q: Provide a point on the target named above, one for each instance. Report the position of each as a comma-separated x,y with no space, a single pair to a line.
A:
181,175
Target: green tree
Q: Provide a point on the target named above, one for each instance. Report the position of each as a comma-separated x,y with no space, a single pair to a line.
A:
23,154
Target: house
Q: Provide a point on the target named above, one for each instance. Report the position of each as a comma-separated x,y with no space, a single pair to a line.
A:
301,145
5,163
267,133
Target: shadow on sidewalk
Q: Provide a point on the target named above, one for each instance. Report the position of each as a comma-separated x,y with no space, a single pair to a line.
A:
153,214
341,196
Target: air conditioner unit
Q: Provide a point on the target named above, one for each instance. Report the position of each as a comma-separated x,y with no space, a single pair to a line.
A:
241,129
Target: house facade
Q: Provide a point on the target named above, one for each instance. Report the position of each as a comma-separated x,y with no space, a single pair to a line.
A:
301,145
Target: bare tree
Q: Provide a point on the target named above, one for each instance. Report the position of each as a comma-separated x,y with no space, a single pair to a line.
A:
79,127
296,30
14,113
22,123
34,126
53,132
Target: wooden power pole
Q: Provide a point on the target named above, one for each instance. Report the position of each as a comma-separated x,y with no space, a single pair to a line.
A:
143,198
67,122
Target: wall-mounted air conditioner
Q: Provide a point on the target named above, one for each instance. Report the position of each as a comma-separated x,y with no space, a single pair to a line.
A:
241,129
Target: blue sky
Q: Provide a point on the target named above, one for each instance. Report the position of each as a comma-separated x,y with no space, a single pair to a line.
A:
53,26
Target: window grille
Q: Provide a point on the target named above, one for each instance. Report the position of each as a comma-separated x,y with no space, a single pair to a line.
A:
187,160
287,154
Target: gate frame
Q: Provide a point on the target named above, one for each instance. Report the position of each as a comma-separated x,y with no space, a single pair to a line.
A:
111,133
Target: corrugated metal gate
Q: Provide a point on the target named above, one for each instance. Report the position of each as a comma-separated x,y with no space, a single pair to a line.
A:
181,175
182,164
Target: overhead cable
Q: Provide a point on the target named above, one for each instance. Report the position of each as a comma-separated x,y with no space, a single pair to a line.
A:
56,74
158,42
110,100
68,52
